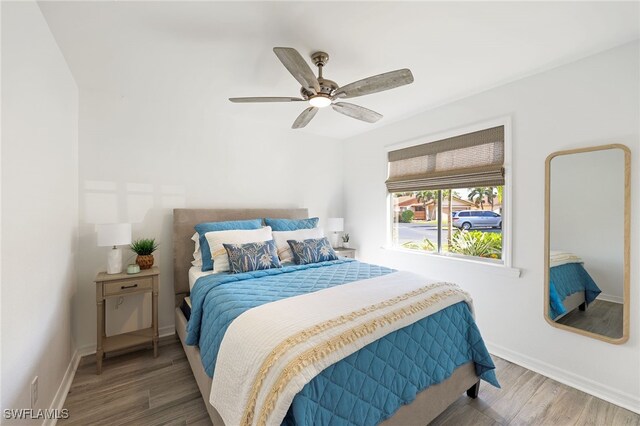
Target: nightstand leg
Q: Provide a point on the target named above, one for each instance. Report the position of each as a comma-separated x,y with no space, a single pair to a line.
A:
99,335
154,314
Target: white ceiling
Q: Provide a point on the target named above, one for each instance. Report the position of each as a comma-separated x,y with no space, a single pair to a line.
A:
215,50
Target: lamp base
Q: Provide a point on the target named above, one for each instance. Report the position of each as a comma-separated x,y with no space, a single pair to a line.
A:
334,240
114,261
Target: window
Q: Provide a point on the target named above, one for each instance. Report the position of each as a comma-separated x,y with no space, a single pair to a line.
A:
447,196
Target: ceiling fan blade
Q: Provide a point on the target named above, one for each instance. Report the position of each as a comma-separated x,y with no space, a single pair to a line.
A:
265,99
298,67
356,111
304,118
377,83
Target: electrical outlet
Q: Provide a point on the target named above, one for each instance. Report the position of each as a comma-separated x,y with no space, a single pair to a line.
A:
34,392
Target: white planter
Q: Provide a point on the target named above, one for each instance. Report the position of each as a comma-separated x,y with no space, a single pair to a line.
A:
345,245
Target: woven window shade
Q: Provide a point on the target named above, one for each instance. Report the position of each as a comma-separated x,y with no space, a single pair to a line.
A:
469,160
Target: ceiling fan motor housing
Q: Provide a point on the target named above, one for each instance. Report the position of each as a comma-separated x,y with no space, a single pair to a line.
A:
327,87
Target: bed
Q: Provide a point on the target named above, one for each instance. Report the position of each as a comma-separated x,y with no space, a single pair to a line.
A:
419,408
570,285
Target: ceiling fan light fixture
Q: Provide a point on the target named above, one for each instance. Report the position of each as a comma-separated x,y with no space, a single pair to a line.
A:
321,92
320,101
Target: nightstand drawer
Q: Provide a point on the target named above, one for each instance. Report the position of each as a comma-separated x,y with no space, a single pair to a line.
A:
127,286
346,252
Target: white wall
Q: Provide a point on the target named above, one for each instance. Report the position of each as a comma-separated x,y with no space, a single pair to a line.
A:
587,215
589,102
39,207
140,158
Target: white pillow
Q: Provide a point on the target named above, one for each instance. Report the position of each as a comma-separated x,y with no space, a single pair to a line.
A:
235,236
281,237
197,254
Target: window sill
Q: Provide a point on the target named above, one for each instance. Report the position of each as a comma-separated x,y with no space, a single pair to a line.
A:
496,268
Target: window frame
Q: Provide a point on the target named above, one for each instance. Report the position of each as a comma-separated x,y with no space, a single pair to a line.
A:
507,228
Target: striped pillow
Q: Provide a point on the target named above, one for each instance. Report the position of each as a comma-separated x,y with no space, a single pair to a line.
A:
237,236
203,228
281,238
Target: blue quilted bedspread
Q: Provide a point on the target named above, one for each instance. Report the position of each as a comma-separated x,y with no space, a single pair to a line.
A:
566,280
367,386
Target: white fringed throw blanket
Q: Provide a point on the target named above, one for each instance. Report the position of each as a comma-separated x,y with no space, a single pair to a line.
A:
272,351
557,258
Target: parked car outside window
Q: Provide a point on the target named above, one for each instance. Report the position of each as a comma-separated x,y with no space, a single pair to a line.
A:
471,219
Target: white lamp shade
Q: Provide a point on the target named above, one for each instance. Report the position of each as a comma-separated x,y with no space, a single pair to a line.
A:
335,224
114,234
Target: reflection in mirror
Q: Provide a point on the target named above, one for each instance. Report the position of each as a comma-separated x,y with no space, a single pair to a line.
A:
587,247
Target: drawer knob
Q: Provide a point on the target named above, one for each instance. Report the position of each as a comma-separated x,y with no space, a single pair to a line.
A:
124,287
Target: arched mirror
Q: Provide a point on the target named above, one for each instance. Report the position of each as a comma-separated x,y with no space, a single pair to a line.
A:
587,232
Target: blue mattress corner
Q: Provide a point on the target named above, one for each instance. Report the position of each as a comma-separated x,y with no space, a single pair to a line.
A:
565,280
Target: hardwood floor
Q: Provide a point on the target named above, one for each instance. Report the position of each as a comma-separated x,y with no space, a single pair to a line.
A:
527,398
600,317
136,389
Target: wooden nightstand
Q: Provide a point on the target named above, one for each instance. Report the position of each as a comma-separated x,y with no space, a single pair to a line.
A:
123,284
345,252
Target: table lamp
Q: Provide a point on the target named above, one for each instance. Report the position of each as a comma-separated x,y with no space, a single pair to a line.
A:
114,234
335,225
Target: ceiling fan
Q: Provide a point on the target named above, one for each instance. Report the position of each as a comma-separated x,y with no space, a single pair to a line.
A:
320,92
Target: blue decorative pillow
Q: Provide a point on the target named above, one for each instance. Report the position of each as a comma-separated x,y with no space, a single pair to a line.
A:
252,256
203,228
313,250
291,224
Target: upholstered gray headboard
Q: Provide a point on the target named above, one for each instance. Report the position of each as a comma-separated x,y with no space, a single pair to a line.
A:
185,219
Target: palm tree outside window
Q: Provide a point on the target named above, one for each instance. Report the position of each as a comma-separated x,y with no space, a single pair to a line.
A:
459,222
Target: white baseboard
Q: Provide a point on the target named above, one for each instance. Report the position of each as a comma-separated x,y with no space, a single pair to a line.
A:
61,394
599,390
167,331
610,298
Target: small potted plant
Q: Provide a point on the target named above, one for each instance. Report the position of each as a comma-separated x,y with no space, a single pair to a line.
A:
144,248
345,240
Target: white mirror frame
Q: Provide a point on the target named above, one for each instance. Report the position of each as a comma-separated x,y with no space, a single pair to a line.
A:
627,241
